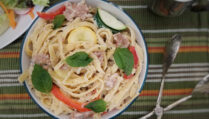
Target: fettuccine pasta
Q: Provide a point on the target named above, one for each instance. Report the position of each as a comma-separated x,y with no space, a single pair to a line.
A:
100,79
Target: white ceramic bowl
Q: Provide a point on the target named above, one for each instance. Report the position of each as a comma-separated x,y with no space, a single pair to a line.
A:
121,15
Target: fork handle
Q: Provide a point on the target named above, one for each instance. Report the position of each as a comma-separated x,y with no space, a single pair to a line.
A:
147,115
169,107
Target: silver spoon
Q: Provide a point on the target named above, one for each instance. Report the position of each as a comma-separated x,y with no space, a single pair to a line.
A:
169,56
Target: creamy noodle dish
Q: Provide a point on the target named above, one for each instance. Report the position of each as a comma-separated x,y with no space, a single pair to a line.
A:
84,61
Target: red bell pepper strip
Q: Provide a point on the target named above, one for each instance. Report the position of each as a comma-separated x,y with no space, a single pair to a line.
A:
103,113
127,77
68,101
136,60
51,15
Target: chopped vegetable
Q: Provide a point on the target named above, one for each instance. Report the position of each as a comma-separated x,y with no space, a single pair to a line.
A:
10,15
4,8
97,106
68,101
79,59
9,3
136,61
24,4
41,2
124,60
41,79
12,21
17,4
51,15
133,51
4,23
110,21
31,13
100,24
128,77
82,34
58,21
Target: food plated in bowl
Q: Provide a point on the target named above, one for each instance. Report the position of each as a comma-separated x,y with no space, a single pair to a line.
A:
81,60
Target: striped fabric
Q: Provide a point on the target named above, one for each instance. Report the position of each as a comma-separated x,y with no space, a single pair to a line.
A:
190,66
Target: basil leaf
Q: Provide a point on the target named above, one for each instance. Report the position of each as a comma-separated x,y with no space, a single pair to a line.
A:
79,59
41,79
124,59
58,21
97,106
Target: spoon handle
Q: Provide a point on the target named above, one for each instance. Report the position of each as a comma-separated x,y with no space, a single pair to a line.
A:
169,56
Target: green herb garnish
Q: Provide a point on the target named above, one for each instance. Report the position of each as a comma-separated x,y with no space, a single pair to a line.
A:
58,21
97,106
79,59
124,59
41,79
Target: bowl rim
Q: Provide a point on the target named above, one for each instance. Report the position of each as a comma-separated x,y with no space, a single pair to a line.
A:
146,52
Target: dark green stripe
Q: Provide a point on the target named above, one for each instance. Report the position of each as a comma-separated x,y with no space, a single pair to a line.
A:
169,35
170,116
8,107
45,117
13,49
21,111
186,41
13,90
201,103
129,2
172,98
150,21
169,85
12,101
191,57
9,63
162,44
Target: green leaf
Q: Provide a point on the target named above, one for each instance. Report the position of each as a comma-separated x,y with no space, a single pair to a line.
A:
10,3
41,79
97,106
41,2
124,59
79,59
58,21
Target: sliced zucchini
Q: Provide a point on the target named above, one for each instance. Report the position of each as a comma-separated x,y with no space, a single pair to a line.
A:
110,21
102,25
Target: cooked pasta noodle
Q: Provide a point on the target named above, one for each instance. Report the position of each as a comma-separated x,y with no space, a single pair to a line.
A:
81,83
